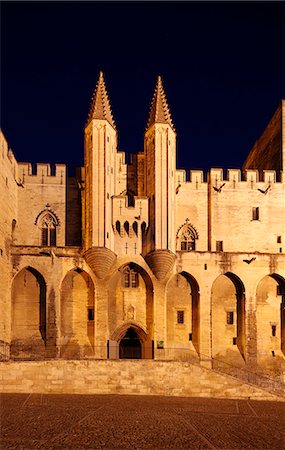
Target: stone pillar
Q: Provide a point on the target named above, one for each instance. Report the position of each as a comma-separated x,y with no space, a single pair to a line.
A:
101,319
205,332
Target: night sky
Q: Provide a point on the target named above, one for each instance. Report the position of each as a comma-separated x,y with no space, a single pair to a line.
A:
222,66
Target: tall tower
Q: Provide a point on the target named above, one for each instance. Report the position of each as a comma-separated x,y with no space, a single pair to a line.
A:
100,145
160,167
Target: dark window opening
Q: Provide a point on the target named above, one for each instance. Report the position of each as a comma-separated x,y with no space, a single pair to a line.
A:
273,330
143,228
230,318
135,228
255,213
90,314
187,246
219,246
234,341
126,227
130,278
180,316
279,239
280,289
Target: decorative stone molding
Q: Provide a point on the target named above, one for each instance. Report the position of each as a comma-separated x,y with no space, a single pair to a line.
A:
160,262
100,259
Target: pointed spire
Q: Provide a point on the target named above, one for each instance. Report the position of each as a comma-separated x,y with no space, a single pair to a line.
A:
100,107
159,110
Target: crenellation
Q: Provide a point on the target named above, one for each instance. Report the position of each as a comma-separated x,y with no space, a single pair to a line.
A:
234,175
251,176
180,176
197,176
269,176
44,173
215,176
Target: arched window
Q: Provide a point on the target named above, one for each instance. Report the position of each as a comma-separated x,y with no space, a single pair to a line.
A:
143,228
130,278
187,236
48,227
47,222
127,227
135,228
118,227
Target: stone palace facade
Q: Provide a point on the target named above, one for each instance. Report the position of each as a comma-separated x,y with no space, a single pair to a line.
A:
141,260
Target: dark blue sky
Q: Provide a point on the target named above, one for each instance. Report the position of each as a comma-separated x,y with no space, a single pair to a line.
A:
222,66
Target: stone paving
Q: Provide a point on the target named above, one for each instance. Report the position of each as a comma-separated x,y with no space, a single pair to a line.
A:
35,421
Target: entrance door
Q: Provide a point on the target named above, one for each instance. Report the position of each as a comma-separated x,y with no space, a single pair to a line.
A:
130,345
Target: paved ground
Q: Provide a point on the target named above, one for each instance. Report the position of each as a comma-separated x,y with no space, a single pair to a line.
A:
135,422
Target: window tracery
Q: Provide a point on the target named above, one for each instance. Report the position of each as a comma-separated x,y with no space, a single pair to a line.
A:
47,222
186,237
130,278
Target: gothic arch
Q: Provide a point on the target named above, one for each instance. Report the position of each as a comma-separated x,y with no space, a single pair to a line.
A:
77,314
121,330
28,330
228,317
183,300
270,316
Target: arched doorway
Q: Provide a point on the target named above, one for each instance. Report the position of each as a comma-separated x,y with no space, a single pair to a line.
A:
130,346
130,341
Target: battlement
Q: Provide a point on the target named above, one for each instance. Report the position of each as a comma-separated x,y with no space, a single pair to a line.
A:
42,173
248,176
196,179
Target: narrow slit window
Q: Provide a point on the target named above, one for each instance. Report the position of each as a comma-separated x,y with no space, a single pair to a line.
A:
255,213
90,314
180,316
273,330
230,317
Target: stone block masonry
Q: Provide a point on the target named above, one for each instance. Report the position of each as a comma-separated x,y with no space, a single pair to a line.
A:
143,377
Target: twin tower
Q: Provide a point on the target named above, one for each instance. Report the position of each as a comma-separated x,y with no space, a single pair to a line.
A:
112,226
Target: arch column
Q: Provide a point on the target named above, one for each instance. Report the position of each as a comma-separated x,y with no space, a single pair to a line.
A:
205,335
160,312
101,324
250,353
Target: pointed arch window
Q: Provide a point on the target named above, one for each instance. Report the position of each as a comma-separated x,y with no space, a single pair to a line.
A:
48,227
187,236
48,224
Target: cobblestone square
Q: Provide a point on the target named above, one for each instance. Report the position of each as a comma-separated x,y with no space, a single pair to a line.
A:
32,421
